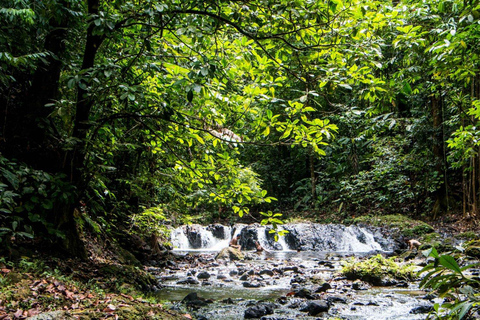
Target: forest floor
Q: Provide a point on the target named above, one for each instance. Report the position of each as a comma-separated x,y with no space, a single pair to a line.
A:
57,288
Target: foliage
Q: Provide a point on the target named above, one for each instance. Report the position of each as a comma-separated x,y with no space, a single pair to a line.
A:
377,268
450,281
150,222
27,197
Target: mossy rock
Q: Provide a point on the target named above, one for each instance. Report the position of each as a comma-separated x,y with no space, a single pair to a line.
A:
469,235
404,225
472,249
377,268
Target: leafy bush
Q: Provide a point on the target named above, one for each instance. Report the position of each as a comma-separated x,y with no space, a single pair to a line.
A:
28,198
377,268
450,281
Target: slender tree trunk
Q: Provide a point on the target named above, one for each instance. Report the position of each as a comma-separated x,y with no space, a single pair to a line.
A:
438,152
312,175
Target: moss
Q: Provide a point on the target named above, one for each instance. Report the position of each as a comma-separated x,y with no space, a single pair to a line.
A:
405,225
377,268
469,235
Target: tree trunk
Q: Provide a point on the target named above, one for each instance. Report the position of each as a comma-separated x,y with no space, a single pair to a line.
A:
438,152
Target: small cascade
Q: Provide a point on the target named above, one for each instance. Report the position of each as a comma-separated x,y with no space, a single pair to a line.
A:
301,237
197,237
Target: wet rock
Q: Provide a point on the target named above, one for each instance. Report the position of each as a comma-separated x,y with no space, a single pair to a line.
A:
189,280
193,300
429,296
290,268
203,275
228,301
233,273
218,231
402,284
327,264
303,293
421,309
248,236
250,284
221,277
259,310
206,283
372,303
388,282
194,237
230,253
298,279
267,272
336,299
315,307
323,287
244,277
360,285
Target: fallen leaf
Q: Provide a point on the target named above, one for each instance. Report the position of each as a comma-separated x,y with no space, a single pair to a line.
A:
33,312
127,296
187,316
69,294
18,313
6,270
110,308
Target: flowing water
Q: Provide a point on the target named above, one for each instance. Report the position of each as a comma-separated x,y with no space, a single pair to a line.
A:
308,251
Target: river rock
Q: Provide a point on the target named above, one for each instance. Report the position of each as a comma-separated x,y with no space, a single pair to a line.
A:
193,300
315,307
323,287
335,299
267,272
203,275
259,310
303,293
230,253
421,309
189,280
360,285
248,237
250,284
194,237
388,282
218,231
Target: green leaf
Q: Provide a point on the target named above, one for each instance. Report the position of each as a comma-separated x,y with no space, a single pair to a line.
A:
450,263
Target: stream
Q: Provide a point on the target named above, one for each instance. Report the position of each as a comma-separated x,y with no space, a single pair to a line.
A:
294,278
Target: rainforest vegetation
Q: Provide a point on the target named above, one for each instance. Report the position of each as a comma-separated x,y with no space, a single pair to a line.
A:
124,117
134,114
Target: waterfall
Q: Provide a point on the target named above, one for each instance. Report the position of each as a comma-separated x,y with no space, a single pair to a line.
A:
301,236
197,237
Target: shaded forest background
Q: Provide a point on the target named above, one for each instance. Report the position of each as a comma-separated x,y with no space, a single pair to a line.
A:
129,116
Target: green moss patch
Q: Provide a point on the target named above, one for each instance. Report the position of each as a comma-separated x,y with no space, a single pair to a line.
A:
377,268
404,225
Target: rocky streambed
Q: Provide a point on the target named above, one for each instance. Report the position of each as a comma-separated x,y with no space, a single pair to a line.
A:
284,284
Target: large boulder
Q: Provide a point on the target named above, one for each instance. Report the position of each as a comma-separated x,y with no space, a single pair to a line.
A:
218,231
230,253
